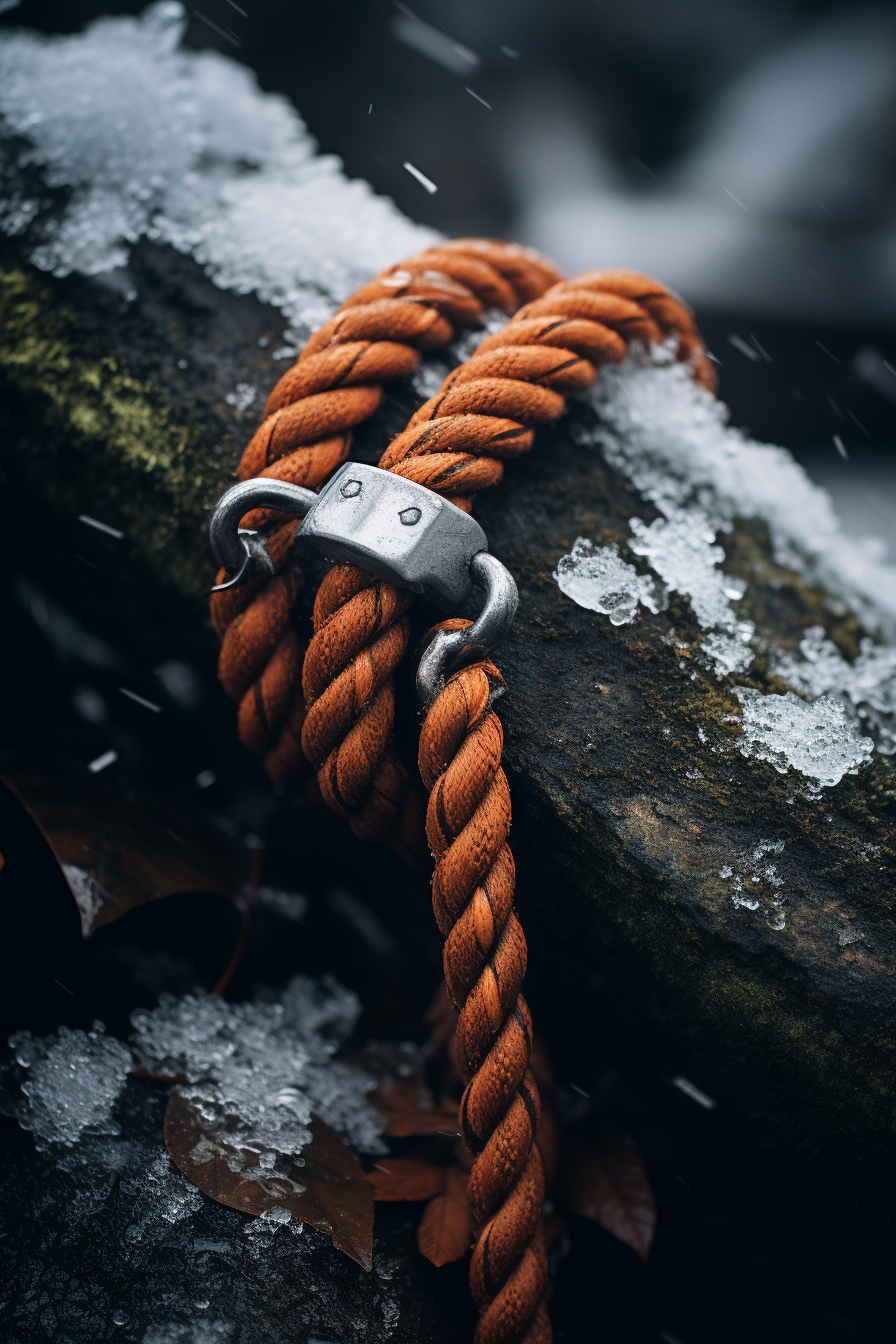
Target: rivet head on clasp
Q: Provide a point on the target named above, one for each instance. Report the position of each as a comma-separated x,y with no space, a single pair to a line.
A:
410,516
350,489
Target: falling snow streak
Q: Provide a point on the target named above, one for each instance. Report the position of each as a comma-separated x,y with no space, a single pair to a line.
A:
421,178
100,527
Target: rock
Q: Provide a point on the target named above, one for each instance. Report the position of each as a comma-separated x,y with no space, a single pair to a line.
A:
109,1241
721,919
635,813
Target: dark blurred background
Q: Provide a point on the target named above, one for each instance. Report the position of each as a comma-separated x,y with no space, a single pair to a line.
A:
740,150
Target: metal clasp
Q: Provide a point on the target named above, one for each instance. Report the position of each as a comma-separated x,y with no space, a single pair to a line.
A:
240,552
393,528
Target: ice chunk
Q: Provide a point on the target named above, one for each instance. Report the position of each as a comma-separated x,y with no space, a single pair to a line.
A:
73,1081
680,548
730,653
257,1071
182,147
816,739
867,686
597,578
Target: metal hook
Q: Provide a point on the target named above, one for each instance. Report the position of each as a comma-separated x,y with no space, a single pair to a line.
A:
449,650
241,553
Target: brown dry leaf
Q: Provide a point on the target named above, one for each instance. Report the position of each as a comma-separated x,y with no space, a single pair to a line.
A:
405,1125
417,1177
605,1181
445,1231
118,850
334,1194
409,1110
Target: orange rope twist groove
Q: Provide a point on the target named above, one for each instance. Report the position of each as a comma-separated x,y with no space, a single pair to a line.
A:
456,444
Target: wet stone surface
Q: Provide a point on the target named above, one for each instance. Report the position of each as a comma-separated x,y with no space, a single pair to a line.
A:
108,1241
632,796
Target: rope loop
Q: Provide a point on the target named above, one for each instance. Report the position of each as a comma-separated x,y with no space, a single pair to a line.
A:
332,704
378,335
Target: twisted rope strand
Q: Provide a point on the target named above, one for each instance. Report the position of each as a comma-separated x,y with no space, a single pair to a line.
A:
337,383
347,733
468,819
485,412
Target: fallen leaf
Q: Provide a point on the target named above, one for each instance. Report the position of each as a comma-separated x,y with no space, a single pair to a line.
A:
604,1180
118,850
406,1126
418,1177
330,1191
445,1231
409,1110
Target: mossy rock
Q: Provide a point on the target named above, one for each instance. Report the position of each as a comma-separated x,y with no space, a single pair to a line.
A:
630,797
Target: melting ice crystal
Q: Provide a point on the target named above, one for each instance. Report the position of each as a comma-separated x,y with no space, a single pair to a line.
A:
73,1081
257,1071
597,578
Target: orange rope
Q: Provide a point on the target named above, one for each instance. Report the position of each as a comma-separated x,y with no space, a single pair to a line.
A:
486,411
377,335
467,823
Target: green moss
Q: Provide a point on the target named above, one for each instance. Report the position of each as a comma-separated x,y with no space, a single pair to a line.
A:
90,437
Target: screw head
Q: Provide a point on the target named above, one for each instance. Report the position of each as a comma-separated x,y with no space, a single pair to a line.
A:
350,489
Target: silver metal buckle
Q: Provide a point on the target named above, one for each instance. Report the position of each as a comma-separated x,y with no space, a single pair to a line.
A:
393,528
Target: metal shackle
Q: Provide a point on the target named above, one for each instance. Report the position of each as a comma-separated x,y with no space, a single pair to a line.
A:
388,526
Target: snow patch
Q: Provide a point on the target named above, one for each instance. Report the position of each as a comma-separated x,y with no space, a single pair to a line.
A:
817,739
73,1081
670,439
183,148
257,1071
682,551
730,653
867,687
